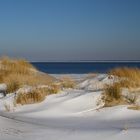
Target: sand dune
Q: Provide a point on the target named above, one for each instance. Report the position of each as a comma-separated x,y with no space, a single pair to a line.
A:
73,114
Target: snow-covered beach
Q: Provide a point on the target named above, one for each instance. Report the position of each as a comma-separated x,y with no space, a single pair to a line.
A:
72,114
69,69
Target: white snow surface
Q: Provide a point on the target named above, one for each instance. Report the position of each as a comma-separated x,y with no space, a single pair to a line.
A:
73,114
97,83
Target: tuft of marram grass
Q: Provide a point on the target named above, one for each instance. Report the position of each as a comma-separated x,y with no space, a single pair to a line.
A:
113,91
112,95
67,82
134,107
34,96
131,76
16,73
15,66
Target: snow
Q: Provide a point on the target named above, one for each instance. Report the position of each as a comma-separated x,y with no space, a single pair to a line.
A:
3,88
97,83
1,95
73,76
72,114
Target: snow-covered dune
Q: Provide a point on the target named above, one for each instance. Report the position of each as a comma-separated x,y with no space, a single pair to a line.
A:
72,114
97,83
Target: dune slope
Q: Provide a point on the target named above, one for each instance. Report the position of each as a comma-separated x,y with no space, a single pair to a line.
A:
73,114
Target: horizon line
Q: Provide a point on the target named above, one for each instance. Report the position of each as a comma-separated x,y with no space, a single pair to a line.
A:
84,61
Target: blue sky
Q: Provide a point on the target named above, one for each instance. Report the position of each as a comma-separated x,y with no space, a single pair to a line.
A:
61,30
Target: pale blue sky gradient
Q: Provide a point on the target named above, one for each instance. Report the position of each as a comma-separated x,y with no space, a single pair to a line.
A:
61,30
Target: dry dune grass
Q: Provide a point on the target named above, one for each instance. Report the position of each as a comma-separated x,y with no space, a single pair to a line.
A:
131,75
15,81
112,95
16,73
15,66
54,88
126,72
130,78
113,91
134,107
67,82
34,96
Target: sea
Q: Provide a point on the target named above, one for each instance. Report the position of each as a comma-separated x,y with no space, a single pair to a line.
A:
81,67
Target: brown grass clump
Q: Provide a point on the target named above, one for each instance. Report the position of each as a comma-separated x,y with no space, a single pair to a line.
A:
67,82
12,86
34,96
112,95
16,73
131,76
54,88
113,91
37,94
15,81
134,107
51,89
15,66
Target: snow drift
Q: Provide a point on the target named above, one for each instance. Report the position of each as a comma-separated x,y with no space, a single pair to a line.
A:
72,114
